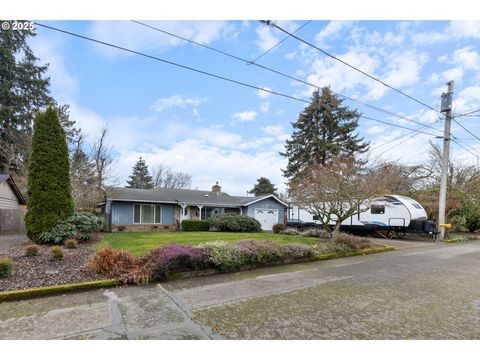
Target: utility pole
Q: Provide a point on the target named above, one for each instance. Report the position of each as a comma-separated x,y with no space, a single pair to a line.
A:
447,109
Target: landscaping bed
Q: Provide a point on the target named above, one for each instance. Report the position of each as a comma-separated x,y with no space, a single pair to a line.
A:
41,270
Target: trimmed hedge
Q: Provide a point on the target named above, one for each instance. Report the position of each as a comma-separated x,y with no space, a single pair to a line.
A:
195,225
234,223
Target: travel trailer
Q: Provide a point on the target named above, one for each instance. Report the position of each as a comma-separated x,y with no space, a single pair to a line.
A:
394,214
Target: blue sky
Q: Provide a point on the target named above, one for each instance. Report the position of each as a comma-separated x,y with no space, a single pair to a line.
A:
219,131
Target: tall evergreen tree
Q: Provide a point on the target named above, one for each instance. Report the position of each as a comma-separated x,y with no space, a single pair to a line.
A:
324,130
140,178
49,189
24,90
263,187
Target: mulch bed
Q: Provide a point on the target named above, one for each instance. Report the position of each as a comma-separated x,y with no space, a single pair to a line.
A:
39,271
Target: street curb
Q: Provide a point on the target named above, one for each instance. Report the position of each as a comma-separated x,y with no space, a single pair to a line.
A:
56,289
60,289
206,272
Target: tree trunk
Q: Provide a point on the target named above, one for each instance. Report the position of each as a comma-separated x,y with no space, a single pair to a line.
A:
336,230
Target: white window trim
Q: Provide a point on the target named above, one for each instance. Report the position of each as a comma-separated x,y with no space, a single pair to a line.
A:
141,214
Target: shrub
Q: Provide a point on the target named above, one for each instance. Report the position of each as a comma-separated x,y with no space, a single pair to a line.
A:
195,225
120,265
234,223
316,233
259,251
32,250
60,232
224,256
49,189
346,242
176,257
297,251
71,244
6,266
278,228
85,224
57,253
290,231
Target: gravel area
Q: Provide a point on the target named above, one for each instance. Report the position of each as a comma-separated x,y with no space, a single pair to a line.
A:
41,270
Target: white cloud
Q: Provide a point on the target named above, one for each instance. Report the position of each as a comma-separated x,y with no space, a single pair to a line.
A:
236,171
273,129
141,38
48,49
455,74
264,107
456,29
467,58
403,69
176,101
266,38
264,94
375,129
245,116
332,31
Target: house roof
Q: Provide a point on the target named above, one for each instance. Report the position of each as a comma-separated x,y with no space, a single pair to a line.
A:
13,186
175,196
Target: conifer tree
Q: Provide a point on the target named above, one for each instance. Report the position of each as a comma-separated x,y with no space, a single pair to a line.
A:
140,178
49,189
323,131
263,187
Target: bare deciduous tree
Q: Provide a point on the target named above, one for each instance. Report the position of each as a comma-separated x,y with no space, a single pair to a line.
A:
163,176
102,156
335,192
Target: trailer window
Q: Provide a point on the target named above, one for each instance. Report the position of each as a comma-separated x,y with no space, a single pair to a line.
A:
416,206
377,209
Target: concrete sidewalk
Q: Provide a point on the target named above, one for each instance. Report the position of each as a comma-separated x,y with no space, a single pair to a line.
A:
148,312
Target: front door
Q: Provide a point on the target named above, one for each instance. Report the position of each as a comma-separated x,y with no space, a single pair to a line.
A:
267,218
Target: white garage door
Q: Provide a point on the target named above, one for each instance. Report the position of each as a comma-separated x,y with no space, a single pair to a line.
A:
267,217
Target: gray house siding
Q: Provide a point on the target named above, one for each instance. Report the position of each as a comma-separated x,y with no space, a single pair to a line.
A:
266,204
122,213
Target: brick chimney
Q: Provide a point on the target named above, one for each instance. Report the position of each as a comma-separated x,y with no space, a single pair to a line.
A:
216,189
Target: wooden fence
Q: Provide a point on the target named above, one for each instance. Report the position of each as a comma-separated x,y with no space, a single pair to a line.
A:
12,221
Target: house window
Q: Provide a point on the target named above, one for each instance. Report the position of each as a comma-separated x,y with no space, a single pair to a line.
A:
147,214
378,209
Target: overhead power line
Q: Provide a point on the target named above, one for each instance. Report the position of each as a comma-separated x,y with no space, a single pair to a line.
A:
467,113
464,128
213,75
172,63
281,41
271,23
246,61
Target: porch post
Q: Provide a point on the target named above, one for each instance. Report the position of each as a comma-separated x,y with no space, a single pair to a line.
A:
200,208
183,205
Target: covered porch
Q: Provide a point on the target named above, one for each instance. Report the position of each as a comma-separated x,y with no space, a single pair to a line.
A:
193,211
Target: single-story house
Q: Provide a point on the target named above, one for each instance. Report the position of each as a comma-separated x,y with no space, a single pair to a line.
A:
162,208
12,207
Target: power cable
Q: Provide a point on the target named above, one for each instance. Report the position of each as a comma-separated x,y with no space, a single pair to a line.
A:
172,63
281,41
271,23
277,72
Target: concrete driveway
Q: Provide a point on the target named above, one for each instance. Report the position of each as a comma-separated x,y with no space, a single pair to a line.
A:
421,291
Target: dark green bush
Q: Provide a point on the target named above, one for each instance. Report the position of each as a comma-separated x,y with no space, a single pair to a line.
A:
32,250
60,232
71,244
278,228
195,225
85,224
49,189
234,223
57,253
6,266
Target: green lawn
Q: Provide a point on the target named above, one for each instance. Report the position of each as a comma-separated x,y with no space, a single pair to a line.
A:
139,243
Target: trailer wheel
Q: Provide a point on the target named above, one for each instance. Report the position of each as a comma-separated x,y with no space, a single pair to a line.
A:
400,234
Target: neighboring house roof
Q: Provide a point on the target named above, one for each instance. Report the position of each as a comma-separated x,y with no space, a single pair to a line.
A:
176,196
13,186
